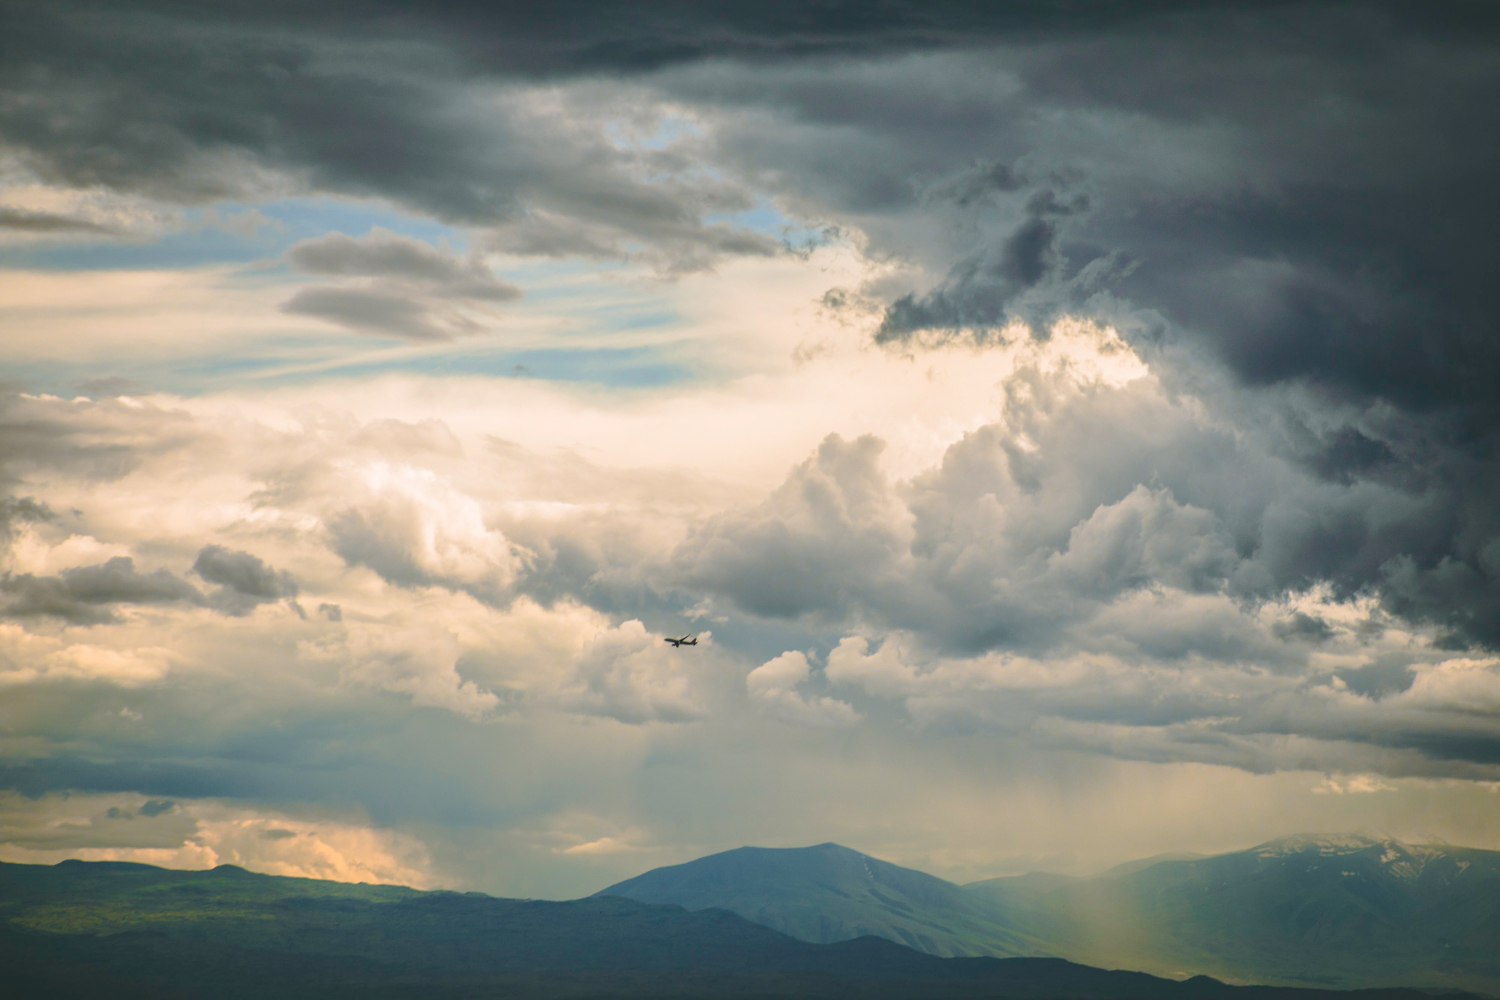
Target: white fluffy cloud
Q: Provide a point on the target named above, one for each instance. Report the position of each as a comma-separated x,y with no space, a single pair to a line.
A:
773,685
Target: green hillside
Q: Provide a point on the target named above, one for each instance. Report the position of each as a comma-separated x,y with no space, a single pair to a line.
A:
131,932
829,893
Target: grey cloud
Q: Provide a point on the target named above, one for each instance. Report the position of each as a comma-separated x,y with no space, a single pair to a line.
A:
1005,546
218,102
113,385
368,311
99,440
1254,208
1017,278
412,291
382,254
400,539
21,510
829,533
978,184
673,245
82,595
244,580
1303,626
150,809
26,221
112,827
1388,675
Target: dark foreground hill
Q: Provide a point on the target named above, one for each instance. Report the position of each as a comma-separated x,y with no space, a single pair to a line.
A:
133,931
1341,912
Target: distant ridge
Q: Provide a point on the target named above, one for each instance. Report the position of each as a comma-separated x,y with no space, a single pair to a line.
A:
1328,910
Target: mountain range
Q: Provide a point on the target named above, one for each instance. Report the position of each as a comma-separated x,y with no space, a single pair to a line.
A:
128,931
1331,911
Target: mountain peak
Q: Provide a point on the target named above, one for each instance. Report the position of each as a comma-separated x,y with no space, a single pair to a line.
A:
1399,859
1322,843
826,893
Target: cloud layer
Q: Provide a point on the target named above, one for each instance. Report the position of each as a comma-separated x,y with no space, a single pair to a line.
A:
1023,398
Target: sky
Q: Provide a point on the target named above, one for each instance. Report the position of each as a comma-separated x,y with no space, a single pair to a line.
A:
1072,431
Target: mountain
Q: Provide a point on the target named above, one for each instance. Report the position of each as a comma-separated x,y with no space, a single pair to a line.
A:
830,893
131,932
1341,911
1336,911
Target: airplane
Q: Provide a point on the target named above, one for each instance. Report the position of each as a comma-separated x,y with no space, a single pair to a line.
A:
686,640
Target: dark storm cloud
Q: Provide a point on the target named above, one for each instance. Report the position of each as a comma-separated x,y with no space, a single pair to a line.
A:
82,596
992,286
1301,201
245,581
190,105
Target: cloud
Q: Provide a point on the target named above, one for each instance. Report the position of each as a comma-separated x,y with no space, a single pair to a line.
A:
1017,278
773,685
441,129
629,674
27,221
413,291
1354,784
415,661
604,845
82,595
1088,488
28,659
1227,510
367,311
245,581
831,530
204,834
20,510
383,254
414,529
